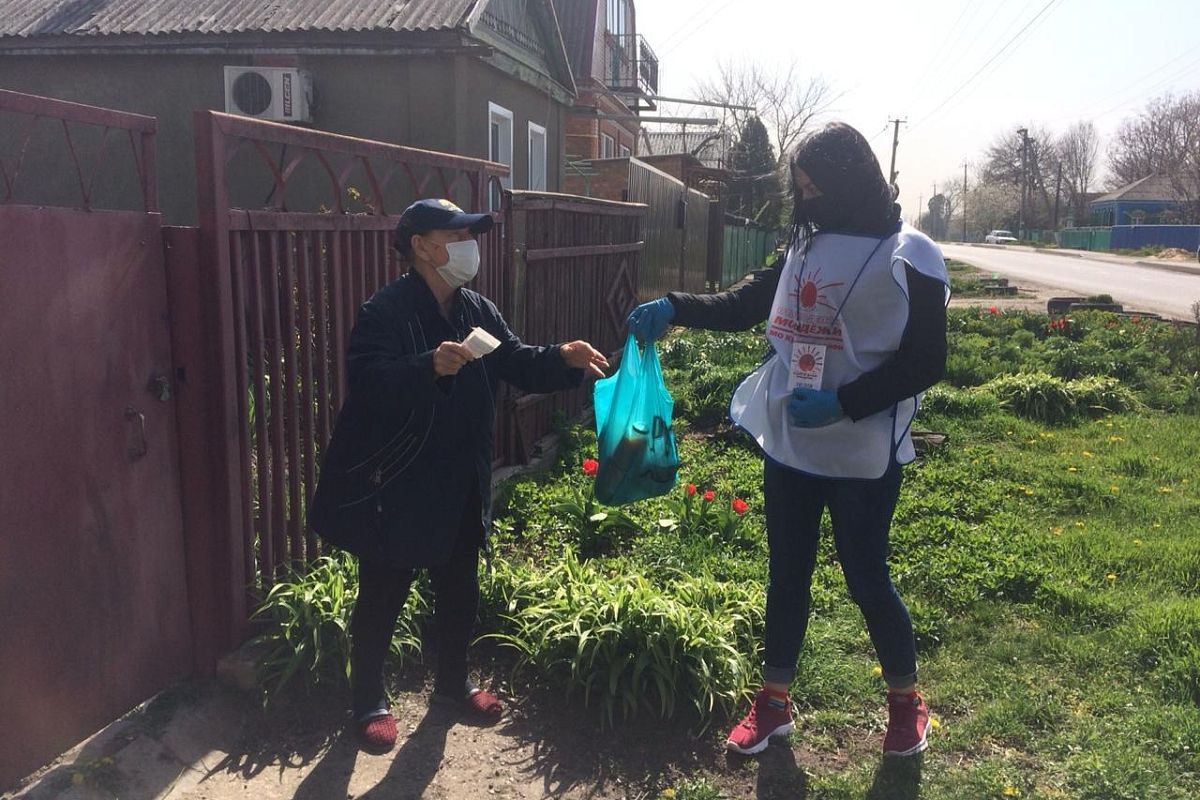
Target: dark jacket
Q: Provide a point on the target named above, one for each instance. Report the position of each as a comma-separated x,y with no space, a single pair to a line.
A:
918,364
409,448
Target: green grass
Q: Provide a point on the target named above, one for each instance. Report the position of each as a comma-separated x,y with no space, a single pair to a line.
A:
1049,554
1051,562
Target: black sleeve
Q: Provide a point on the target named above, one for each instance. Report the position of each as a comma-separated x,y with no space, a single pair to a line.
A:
918,364
530,368
738,308
380,372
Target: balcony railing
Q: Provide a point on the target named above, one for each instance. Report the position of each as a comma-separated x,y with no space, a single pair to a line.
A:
631,69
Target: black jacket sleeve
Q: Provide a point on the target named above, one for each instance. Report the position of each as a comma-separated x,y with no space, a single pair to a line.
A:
380,373
738,308
918,364
530,368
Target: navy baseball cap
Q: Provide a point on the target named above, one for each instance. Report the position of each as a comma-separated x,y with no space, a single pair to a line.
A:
436,215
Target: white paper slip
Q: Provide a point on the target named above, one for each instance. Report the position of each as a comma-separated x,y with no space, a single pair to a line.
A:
480,342
808,365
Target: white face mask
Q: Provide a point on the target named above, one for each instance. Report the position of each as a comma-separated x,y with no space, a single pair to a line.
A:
463,264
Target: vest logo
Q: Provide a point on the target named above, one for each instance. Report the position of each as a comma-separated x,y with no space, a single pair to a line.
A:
810,292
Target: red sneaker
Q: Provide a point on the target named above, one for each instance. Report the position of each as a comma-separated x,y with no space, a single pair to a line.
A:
754,732
908,725
378,733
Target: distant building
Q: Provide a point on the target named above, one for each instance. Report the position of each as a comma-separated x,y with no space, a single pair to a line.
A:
1145,201
711,146
616,73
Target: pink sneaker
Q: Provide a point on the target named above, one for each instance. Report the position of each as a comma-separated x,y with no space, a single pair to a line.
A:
908,725
754,732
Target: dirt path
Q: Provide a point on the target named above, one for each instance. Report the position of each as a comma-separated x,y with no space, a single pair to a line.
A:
207,742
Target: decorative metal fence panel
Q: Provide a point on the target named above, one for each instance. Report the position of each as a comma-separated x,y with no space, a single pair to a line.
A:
288,276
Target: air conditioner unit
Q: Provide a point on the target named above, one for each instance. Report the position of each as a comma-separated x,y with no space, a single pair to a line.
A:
283,94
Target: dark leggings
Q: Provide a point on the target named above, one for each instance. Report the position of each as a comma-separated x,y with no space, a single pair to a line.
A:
861,514
382,592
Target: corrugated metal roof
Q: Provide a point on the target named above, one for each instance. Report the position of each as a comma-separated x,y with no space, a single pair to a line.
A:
31,18
1150,188
577,18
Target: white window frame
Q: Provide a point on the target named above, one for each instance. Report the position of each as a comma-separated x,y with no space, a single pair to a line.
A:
538,160
504,153
624,151
606,139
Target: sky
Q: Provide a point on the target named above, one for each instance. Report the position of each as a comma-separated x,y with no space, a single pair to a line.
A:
962,72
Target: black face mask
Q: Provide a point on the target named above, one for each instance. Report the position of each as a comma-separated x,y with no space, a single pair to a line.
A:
819,211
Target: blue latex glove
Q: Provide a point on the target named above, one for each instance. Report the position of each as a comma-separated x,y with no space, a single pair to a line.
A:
649,321
814,408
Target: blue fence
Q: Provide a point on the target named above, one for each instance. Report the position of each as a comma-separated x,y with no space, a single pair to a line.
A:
1135,237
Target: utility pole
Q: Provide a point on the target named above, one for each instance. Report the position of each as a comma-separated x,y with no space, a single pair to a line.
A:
1024,179
964,203
936,224
895,143
1057,193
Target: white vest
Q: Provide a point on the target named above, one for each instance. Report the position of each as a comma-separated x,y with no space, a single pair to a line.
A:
844,304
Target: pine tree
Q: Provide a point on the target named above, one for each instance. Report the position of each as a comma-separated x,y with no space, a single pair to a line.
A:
753,190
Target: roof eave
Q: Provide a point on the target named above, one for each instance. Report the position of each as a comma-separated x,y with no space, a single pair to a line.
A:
304,42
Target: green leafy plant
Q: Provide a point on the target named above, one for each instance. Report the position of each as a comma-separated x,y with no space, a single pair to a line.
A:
697,513
629,645
308,619
596,527
1034,395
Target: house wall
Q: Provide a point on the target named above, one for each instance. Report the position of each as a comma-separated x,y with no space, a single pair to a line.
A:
431,103
482,84
583,129
609,180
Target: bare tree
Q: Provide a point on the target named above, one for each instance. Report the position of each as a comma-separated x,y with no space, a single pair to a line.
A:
1077,151
786,101
1164,139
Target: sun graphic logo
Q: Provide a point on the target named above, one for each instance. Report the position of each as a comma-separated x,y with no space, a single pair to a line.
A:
808,365
811,292
446,204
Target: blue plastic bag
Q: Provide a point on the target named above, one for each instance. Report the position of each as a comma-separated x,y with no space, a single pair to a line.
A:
638,458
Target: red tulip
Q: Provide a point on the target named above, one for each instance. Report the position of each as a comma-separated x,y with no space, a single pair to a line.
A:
691,490
590,467
739,506
709,496
993,310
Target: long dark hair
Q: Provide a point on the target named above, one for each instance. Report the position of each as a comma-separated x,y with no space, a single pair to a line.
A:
855,197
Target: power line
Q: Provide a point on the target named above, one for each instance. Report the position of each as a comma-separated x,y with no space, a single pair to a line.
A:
950,56
948,37
987,63
1141,95
678,31
1135,85
695,27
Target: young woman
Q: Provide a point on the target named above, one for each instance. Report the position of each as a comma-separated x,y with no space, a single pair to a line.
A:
856,320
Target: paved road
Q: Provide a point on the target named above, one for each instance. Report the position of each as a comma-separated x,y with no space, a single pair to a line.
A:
1137,287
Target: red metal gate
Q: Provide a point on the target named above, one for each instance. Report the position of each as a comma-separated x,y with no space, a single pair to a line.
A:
92,576
277,289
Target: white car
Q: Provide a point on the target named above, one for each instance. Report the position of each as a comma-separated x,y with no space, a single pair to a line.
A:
1000,237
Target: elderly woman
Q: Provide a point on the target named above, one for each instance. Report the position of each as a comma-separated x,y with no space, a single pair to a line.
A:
856,321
